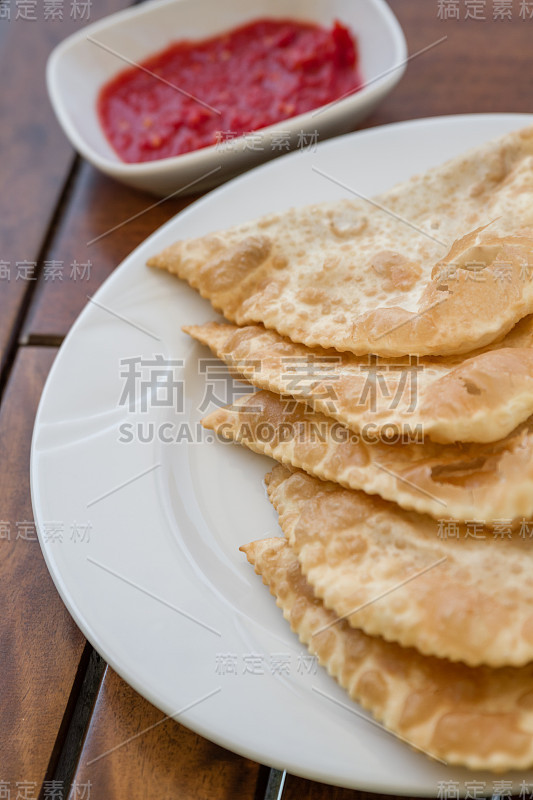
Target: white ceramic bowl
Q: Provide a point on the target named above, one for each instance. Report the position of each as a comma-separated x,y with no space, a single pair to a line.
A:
77,69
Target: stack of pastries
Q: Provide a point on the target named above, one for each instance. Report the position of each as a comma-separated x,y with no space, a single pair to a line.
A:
391,341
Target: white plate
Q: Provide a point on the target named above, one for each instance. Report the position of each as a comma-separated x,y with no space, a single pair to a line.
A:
78,68
174,533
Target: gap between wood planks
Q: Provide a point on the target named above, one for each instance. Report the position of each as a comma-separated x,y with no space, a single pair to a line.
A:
76,719
68,747
15,336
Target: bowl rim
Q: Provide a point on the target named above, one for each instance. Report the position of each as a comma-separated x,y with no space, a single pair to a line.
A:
380,84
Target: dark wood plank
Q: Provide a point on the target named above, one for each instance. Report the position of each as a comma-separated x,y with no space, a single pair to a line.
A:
40,646
98,207
36,157
483,66
148,757
296,788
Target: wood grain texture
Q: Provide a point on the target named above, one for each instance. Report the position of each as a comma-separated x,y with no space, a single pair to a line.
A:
297,788
137,753
40,646
482,66
37,158
98,207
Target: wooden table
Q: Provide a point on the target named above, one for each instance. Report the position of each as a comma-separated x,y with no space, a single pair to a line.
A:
60,705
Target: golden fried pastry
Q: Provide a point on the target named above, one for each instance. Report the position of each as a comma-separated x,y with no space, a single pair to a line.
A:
438,265
463,592
492,482
478,717
479,398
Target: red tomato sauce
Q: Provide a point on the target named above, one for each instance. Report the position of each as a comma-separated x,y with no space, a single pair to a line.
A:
255,76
